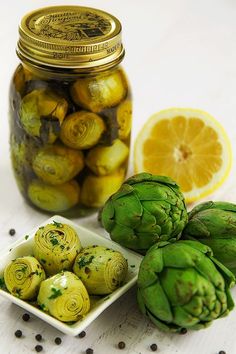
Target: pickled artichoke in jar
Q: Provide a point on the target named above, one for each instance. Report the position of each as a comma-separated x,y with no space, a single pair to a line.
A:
57,164
96,190
103,160
82,130
54,198
64,297
42,113
102,270
19,160
55,246
23,277
100,92
124,119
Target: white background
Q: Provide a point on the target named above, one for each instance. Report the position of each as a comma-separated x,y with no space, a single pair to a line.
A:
179,53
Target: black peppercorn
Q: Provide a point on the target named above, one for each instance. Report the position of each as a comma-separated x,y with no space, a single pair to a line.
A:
89,351
26,317
58,340
183,331
153,347
38,348
82,334
18,333
38,337
12,232
121,345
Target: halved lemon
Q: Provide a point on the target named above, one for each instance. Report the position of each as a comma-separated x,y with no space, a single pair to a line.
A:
188,145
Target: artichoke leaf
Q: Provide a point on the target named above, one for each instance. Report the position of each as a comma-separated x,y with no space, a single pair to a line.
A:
157,302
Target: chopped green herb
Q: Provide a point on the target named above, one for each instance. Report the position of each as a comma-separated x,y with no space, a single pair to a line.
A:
54,241
62,247
43,260
2,283
41,227
42,307
57,224
55,293
26,237
132,265
23,269
10,249
17,291
83,262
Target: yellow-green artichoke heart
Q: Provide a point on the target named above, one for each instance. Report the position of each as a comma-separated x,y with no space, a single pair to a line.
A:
56,246
42,113
23,277
54,198
101,91
82,130
96,190
57,164
102,270
124,119
103,160
64,297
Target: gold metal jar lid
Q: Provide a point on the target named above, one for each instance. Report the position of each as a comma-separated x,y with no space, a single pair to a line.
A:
70,37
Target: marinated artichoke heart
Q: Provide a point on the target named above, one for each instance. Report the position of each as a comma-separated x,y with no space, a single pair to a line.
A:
41,114
96,190
214,224
82,130
64,297
56,246
103,160
101,91
180,285
19,161
54,198
124,119
57,164
23,277
102,270
156,211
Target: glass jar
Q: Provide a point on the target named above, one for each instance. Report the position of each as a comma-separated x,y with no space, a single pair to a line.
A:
70,110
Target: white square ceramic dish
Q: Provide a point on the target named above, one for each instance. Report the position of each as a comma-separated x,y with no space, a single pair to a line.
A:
23,247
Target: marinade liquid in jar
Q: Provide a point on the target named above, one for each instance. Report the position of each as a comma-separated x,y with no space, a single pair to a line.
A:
70,109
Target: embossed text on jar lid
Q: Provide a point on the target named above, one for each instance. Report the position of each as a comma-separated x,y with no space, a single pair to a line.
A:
70,37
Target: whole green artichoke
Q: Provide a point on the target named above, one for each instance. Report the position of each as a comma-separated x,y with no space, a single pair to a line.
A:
146,209
180,285
214,224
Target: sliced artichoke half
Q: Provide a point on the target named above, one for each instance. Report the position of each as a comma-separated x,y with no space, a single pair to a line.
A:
64,296
82,130
41,114
23,277
54,198
102,270
101,91
103,160
56,246
57,164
